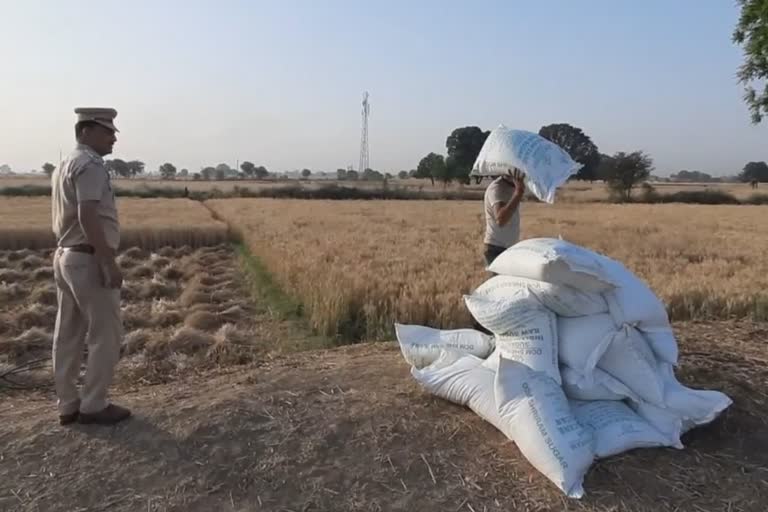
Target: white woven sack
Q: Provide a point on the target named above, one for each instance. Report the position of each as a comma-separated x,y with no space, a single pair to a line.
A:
421,346
535,414
616,427
561,299
555,261
545,164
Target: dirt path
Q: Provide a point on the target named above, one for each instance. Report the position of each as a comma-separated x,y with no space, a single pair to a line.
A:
348,430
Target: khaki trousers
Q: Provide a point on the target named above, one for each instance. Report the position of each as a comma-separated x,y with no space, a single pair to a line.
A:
88,313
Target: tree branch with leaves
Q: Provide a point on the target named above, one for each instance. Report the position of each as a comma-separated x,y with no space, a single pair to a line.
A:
751,33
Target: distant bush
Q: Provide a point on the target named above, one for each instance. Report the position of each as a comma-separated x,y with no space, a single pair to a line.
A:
294,191
757,199
26,191
697,197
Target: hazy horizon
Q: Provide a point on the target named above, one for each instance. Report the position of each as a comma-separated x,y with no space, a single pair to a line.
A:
280,83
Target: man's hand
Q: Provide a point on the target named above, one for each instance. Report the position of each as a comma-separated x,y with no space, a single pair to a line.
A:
519,181
112,276
504,211
88,214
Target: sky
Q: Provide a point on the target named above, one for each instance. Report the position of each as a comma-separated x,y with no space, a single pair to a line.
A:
279,83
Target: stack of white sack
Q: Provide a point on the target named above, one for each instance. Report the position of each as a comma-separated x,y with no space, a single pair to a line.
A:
580,365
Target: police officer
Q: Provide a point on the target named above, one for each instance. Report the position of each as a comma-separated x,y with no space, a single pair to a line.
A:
88,279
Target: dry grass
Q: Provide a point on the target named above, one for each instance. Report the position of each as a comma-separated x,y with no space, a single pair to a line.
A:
203,320
360,266
32,341
45,294
146,223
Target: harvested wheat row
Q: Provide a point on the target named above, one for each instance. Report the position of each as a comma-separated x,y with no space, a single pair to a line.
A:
165,319
45,294
32,262
172,273
135,317
135,341
43,274
11,276
136,254
190,341
203,320
36,315
13,291
126,262
233,347
140,272
35,341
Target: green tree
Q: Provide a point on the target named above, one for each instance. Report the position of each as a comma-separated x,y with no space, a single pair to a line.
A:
224,171
135,167
625,171
48,168
577,144
352,175
208,173
432,166
167,171
248,168
306,173
403,175
341,174
371,175
755,171
261,172
463,145
118,167
184,173
751,33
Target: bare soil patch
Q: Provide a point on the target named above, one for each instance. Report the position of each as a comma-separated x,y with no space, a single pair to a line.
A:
349,429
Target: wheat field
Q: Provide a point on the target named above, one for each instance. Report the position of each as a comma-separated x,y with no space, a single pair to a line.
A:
148,223
360,266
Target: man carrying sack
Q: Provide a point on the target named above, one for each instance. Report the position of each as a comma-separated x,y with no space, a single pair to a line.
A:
88,279
502,214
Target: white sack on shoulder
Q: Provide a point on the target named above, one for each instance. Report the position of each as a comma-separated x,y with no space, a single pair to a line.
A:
525,330
545,164
583,341
630,360
603,386
616,427
561,299
463,380
421,346
535,414
554,261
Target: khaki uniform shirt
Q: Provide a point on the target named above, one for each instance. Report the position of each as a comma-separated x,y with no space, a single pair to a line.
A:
508,235
82,177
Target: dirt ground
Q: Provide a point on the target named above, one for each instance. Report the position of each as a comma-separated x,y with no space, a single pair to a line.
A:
350,429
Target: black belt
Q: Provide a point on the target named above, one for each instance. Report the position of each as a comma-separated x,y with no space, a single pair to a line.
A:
88,249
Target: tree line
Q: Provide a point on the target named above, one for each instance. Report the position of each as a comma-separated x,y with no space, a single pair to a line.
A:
622,171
